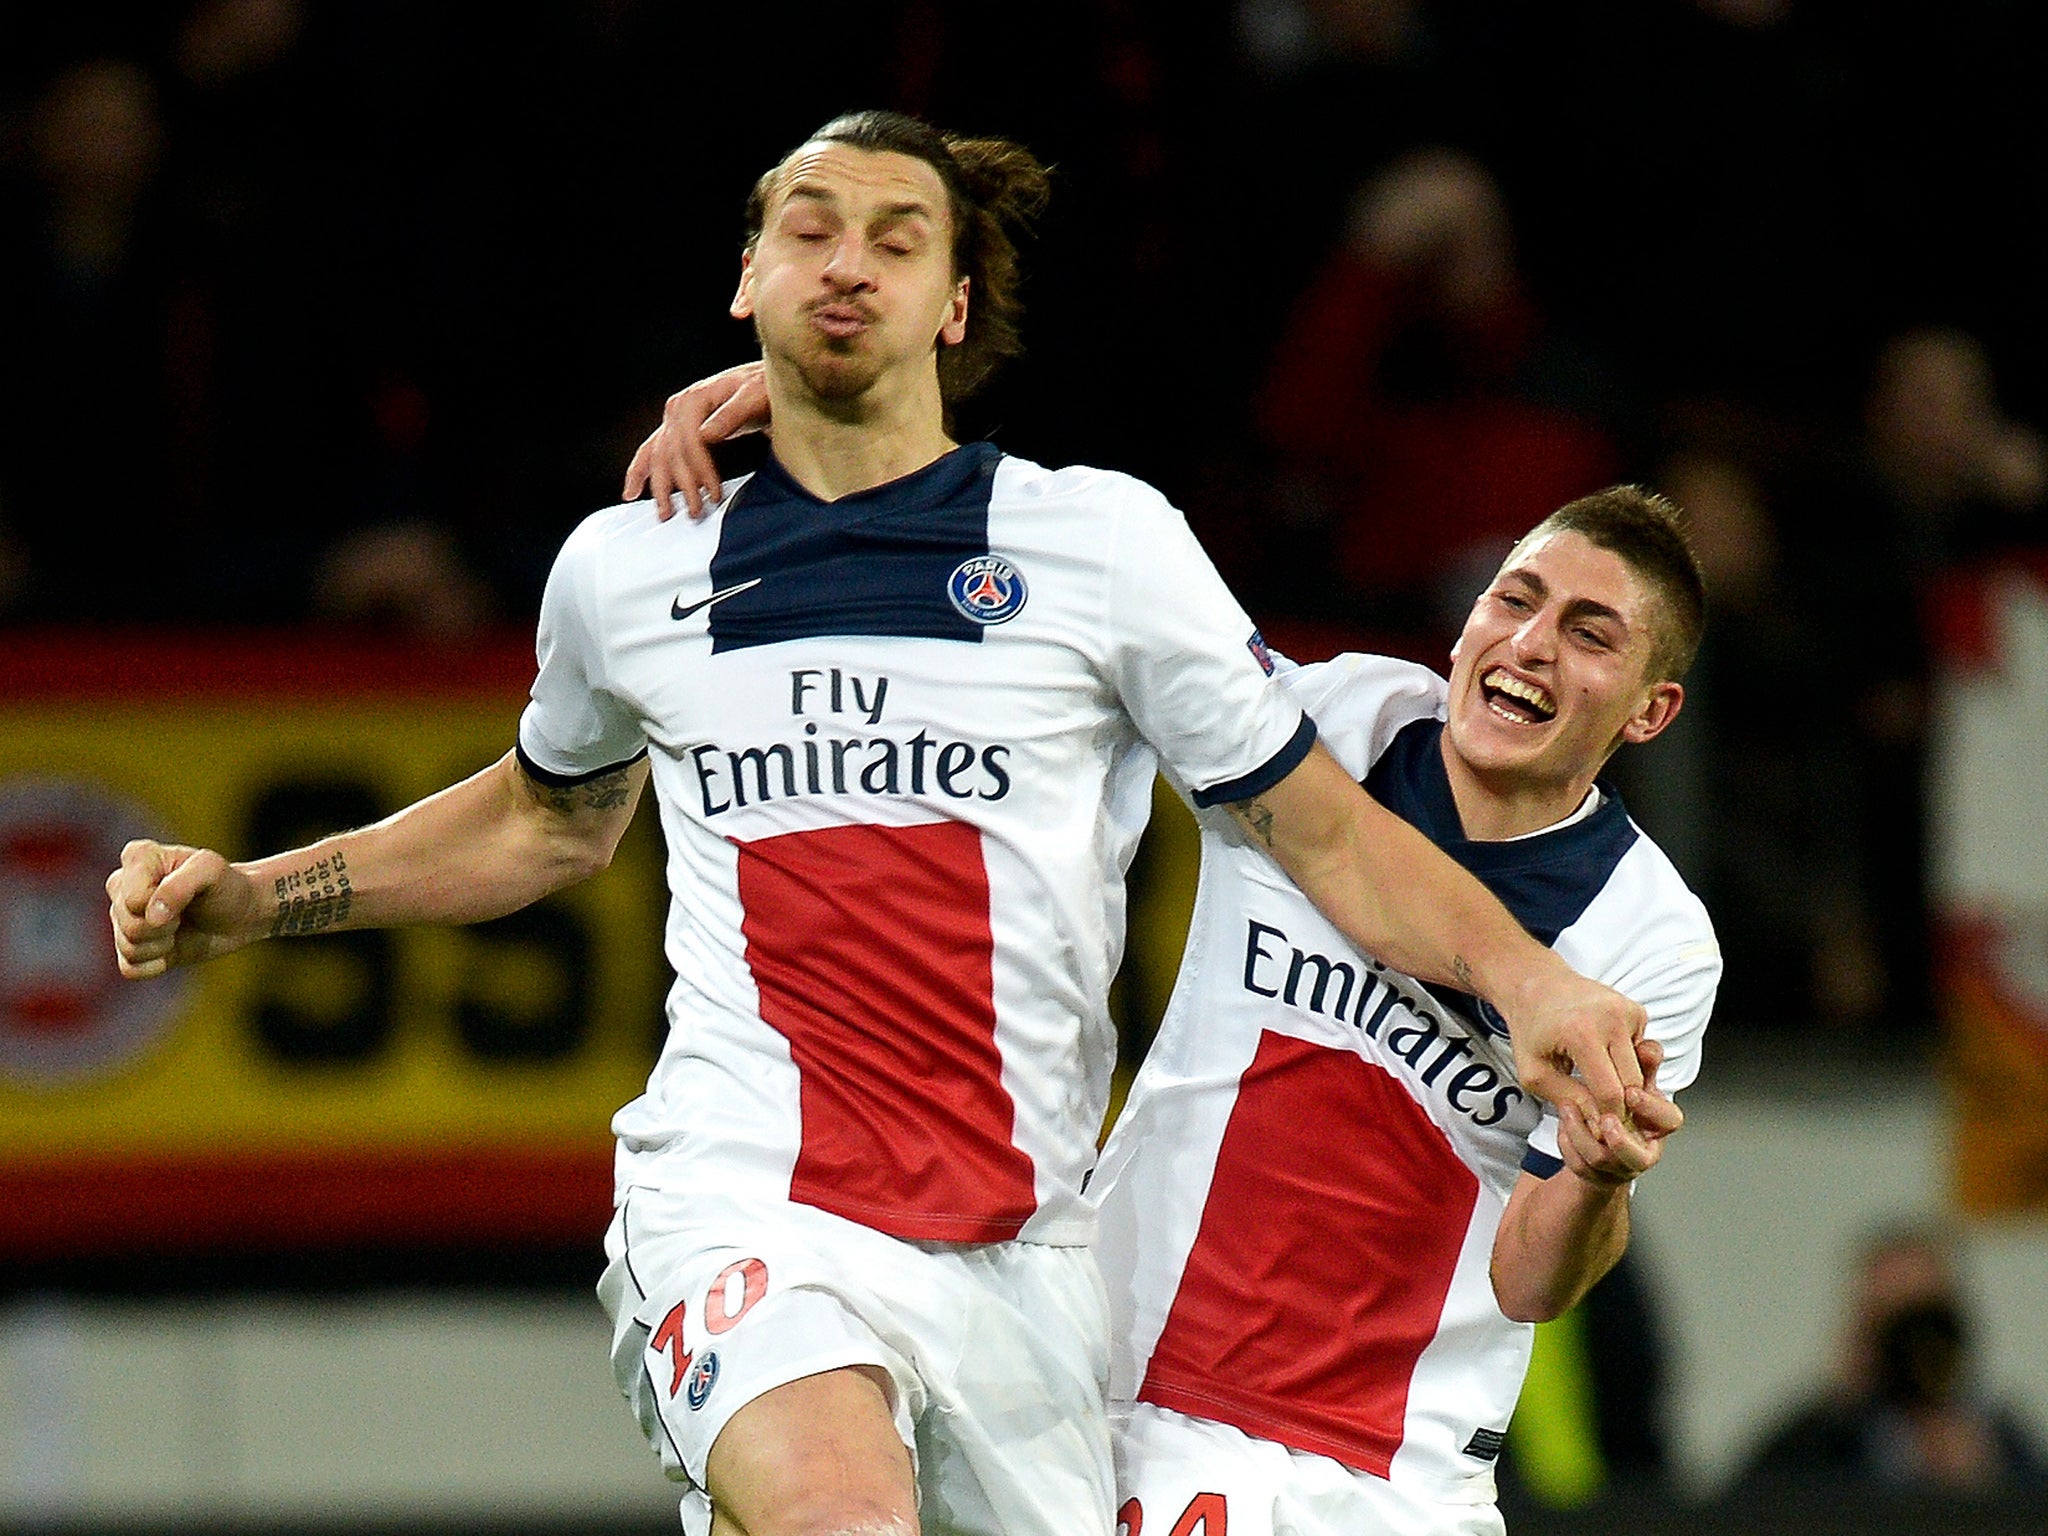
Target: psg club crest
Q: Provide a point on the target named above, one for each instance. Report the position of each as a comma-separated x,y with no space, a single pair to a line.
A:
703,1377
987,589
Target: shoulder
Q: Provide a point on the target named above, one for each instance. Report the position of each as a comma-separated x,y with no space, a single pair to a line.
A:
1080,484
1649,937
1355,683
1644,913
1360,703
1648,882
589,540
631,520
632,537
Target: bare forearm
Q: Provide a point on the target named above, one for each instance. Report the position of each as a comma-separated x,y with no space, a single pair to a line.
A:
1393,892
477,850
1397,896
1429,917
1558,1237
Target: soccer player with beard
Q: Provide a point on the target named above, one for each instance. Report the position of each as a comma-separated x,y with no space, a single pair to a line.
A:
900,700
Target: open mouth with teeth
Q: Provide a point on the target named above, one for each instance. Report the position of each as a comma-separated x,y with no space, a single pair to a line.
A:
1512,699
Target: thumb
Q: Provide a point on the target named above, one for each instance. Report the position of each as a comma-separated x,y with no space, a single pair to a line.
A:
144,862
735,418
193,878
636,472
1654,1114
1548,1081
1649,1056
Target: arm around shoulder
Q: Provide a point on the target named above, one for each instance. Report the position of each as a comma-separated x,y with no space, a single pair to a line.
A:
1399,897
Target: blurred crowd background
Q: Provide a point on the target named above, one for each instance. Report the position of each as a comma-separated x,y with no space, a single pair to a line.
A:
340,315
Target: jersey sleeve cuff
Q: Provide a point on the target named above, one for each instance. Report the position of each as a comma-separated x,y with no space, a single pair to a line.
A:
554,780
1264,777
1541,1163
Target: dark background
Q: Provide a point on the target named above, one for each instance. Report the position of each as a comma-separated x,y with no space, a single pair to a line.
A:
344,314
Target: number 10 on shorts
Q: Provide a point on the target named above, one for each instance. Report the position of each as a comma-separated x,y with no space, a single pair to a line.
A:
730,1297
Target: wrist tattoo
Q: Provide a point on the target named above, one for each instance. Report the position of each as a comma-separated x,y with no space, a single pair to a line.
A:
1256,817
313,899
1463,972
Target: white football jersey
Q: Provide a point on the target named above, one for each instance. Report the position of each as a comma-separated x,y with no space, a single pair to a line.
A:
900,746
1300,1199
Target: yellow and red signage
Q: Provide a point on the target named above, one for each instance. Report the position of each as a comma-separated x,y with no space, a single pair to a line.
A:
424,1085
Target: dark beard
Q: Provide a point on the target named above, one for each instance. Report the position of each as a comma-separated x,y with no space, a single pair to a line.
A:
837,372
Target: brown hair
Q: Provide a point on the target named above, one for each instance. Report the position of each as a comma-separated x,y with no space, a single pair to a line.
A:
1648,532
994,189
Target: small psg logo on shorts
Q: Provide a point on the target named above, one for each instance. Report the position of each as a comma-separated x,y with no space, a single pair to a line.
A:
1490,1017
703,1377
987,589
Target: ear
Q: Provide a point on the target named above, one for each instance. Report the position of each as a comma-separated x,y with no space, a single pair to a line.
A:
1658,710
742,306
953,328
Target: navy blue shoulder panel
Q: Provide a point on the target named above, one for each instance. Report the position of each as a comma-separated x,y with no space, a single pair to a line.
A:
877,563
1535,1160
1546,881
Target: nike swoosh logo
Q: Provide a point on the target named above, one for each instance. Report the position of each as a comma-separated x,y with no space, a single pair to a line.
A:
676,610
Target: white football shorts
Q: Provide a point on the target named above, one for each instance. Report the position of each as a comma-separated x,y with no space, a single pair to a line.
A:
998,1353
1181,1476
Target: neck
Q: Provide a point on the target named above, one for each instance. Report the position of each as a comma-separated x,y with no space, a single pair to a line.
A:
1495,807
834,448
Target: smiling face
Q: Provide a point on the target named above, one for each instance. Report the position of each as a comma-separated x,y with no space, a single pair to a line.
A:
851,283
1554,670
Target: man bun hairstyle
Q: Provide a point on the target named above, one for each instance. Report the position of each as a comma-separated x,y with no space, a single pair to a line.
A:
994,190
1648,532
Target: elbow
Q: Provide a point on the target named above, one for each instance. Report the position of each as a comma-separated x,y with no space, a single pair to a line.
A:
571,861
592,859
1522,1302
585,865
1530,1308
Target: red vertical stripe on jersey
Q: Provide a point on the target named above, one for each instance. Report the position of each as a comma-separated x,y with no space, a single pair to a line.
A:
872,953
1322,1262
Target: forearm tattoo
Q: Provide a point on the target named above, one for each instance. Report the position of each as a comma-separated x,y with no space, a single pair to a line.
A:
313,899
606,792
1256,817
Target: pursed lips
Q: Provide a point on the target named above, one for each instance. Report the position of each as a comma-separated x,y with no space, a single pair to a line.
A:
841,319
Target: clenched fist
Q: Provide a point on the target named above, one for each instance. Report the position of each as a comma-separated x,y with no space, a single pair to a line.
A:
173,906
